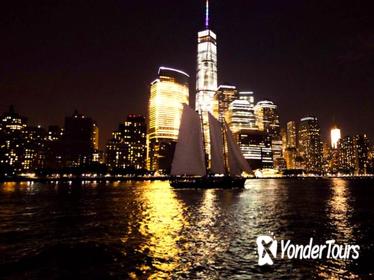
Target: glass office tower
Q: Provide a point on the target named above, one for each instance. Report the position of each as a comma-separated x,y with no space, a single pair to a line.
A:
167,94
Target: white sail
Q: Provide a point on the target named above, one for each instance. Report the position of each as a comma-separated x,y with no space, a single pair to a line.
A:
237,163
216,146
189,158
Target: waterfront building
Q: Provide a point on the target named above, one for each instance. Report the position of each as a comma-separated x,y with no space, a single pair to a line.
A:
248,96
371,160
330,152
335,135
223,97
346,155
276,148
12,121
310,145
240,112
206,76
361,154
115,151
290,146
290,155
127,147
256,148
291,134
21,146
55,133
54,147
135,139
238,115
354,155
283,134
34,144
267,119
167,94
12,126
80,140
330,159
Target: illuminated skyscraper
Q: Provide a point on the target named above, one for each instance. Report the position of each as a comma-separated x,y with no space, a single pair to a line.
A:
206,75
361,154
223,97
236,109
248,96
34,147
283,136
354,155
346,155
331,153
267,119
256,148
291,134
371,160
238,115
12,127
290,153
310,145
167,94
335,137
80,140
22,145
127,148
54,147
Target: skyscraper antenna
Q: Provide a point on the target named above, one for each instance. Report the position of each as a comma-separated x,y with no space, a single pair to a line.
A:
207,15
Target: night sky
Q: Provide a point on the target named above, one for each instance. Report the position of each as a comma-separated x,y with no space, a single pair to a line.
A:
310,57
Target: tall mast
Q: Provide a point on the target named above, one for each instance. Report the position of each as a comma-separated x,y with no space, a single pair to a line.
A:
204,146
207,14
225,148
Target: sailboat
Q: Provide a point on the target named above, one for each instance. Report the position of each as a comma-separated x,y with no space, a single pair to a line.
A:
190,164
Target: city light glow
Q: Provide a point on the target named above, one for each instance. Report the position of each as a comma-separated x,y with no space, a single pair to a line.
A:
335,137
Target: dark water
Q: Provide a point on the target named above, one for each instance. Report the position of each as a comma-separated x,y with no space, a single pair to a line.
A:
147,230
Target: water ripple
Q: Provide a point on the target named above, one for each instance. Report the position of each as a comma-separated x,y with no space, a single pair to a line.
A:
146,230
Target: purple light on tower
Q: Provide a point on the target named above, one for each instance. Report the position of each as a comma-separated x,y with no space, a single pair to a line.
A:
207,15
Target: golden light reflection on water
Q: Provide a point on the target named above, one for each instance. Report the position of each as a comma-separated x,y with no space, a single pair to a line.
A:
9,187
338,214
211,241
161,226
339,209
267,199
208,238
208,208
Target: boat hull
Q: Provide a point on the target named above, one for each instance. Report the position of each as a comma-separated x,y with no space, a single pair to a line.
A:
208,182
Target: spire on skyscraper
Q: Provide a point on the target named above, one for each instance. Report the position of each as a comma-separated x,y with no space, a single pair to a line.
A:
207,15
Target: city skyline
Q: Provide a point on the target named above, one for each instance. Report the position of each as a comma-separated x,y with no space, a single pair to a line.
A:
186,139
298,85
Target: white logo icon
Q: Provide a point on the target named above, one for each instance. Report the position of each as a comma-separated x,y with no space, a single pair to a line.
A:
266,248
